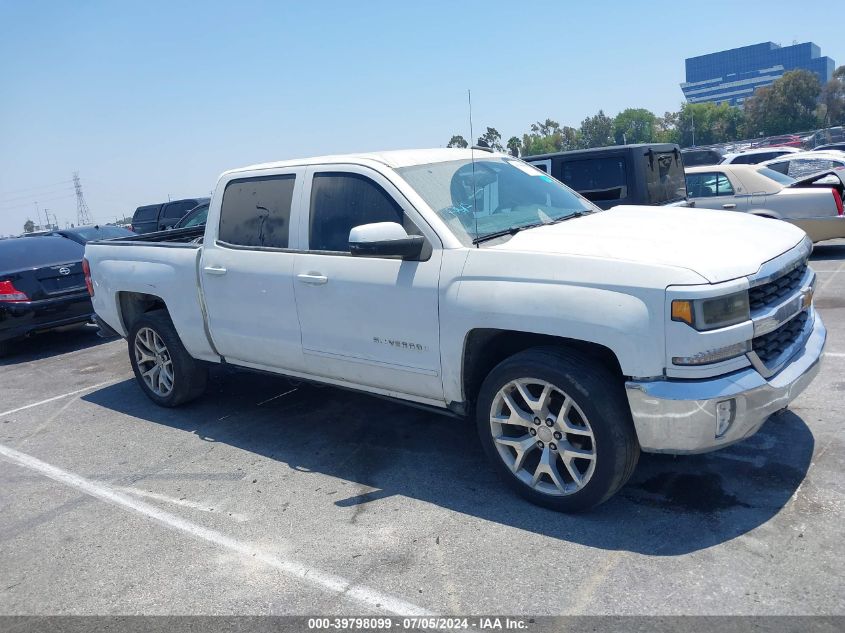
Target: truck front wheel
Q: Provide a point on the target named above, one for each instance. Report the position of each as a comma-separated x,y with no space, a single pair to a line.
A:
557,427
167,373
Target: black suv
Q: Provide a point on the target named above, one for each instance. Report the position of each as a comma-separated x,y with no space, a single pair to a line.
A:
159,217
648,173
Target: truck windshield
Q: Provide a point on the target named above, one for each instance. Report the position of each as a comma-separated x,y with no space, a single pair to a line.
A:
492,196
664,177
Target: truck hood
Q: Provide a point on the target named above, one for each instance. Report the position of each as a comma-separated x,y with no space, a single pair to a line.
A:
718,245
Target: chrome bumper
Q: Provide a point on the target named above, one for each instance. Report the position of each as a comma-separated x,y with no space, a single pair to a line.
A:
679,416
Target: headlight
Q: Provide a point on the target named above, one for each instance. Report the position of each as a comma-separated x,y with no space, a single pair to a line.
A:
710,314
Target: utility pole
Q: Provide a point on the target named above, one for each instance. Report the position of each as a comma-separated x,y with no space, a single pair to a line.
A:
38,216
83,215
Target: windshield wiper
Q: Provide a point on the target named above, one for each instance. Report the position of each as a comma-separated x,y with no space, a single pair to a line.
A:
511,231
574,214
516,229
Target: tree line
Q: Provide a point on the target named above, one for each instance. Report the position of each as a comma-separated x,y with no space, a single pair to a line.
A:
796,102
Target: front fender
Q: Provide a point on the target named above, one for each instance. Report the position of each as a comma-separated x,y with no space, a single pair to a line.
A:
630,325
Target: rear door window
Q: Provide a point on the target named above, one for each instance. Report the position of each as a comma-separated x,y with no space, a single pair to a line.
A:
597,179
145,214
256,211
708,185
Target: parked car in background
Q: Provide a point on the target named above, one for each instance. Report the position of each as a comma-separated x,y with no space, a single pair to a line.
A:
648,173
786,140
807,163
159,217
42,286
701,156
194,217
474,284
83,234
814,203
838,147
757,155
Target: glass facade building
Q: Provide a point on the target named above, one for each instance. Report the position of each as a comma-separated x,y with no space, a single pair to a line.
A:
732,76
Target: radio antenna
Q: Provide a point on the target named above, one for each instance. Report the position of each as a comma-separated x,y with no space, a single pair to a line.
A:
472,159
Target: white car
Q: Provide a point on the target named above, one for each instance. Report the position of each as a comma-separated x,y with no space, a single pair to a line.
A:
471,283
803,164
813,204
757,155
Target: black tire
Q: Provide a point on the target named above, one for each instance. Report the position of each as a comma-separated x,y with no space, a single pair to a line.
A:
599,393
190,376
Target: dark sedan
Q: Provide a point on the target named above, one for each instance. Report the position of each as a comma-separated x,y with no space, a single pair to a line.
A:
42,286
85,234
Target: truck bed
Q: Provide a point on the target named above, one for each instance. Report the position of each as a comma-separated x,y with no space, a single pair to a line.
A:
164,269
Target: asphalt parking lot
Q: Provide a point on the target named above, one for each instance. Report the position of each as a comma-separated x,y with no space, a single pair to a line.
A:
265,497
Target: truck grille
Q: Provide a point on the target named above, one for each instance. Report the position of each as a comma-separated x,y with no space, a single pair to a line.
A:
770,346
771,292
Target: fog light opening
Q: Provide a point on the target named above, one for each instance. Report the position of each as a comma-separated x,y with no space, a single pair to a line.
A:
725,414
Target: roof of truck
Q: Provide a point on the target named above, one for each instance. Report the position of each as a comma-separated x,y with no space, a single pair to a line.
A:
394,159
608,149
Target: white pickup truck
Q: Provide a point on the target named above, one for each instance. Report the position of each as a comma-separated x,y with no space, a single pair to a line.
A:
472,283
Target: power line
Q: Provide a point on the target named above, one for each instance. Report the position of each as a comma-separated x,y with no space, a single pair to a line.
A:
29,203
54,184
32,196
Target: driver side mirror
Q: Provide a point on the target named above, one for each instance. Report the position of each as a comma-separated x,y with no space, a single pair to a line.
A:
384,239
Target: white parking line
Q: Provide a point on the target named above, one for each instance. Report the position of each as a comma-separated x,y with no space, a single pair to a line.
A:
329,582
59,397
832,277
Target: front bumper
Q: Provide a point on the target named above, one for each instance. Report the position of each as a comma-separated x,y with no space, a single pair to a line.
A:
679,416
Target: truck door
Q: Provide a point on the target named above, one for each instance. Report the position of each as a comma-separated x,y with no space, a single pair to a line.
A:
247,271
367,320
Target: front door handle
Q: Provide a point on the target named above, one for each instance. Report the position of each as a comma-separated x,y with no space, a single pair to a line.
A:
730,205
215,270
314,279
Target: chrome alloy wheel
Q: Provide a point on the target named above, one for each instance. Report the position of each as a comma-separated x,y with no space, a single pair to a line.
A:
154,362
543,436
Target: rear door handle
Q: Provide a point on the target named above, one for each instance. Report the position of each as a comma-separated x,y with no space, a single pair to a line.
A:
729,206
215,270
314,279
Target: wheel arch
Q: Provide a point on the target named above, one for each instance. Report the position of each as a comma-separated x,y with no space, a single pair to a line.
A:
131,305
484,348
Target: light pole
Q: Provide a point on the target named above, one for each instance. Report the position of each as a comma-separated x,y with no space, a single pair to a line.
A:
692,118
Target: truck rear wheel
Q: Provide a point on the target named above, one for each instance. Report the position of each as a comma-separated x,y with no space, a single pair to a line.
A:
164,369
557,427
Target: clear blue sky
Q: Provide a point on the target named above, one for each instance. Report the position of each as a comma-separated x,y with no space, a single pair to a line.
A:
149,99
